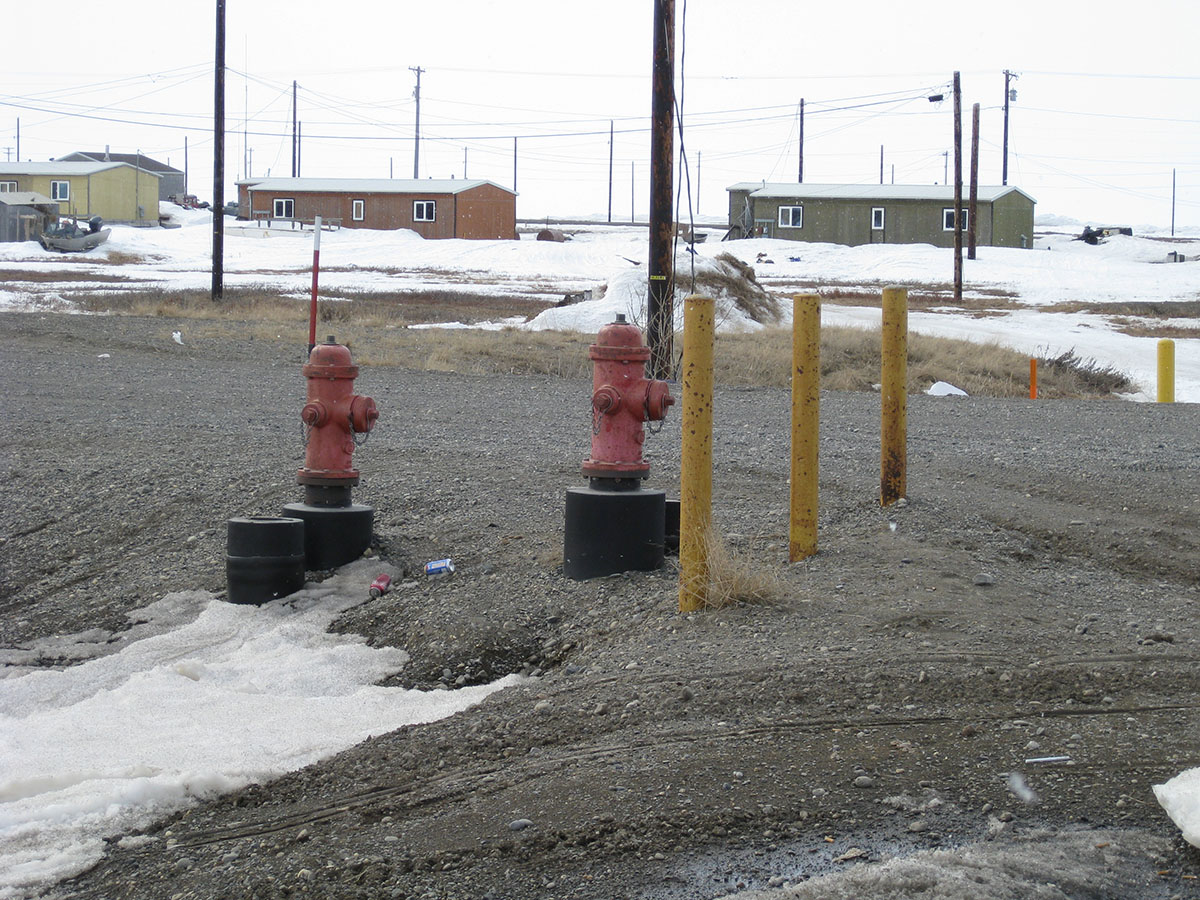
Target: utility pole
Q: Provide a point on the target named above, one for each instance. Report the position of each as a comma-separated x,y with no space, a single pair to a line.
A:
1172,202
974,182
295,136
881,163
610,169
660,317
218,220
185,165
299,144
945,167
800,172
958,229
417,131
1009,94
699,154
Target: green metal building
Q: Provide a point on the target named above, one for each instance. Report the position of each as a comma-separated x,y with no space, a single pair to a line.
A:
877,214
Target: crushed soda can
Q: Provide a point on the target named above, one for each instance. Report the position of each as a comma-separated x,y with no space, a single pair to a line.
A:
439,567
380,586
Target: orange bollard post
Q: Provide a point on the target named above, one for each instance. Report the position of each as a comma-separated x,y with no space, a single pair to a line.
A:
806,399
893,481
1033,378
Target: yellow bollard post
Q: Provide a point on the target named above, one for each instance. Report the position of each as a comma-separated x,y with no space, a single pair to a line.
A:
1166,371
893,465
695,471
806,399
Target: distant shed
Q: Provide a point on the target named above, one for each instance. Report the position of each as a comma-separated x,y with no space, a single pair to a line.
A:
24,215
877,213
434,208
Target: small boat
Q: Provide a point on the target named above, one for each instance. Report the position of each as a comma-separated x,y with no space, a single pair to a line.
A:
68,236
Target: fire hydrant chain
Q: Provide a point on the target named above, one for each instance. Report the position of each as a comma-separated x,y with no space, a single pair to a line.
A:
358,441
650,422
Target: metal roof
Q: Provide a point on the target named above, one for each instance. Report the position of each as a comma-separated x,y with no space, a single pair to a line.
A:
940,192
56,168
25,198
367,185
140,160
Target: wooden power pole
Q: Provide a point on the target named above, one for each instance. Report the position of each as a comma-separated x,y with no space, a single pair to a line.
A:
958,207
974,182
800,176
1008,95
660,315
417,128
218,201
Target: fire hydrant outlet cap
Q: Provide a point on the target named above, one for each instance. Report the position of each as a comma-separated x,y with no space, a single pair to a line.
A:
314,414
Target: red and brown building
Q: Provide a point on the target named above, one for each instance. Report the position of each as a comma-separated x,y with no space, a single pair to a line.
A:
445,208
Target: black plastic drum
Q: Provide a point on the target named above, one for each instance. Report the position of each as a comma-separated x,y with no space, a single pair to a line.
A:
333,535
264,558
613,531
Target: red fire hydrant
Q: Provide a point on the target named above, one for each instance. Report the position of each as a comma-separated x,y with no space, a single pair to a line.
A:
623,398
332,416
615,524
336,530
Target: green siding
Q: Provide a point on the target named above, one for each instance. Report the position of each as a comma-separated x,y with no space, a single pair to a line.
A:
1014,220
999,223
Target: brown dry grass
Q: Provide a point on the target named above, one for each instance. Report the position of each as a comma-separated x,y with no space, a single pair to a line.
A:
735,578
376,328
851,360
1147,309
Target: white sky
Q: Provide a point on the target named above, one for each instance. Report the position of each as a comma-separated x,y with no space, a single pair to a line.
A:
1107,96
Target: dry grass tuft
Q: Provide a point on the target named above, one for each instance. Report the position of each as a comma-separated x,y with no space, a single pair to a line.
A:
735,280
735,579
1090,376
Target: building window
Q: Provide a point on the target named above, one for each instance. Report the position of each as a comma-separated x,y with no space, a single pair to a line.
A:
285,209
8,187
424,210
791,217
357,209
948,219
60,191
877,218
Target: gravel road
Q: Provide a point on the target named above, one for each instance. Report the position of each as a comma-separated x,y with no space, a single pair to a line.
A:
1036,596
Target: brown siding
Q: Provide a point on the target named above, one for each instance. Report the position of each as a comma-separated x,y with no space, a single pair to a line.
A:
486,213
482,213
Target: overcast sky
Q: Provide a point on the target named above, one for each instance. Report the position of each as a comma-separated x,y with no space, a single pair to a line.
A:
1107,105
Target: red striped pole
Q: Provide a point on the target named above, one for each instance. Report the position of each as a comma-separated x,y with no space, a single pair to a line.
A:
312,313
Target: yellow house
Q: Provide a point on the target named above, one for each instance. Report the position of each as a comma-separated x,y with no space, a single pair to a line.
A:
115,191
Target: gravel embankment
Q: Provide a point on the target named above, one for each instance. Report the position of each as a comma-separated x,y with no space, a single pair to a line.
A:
1039,590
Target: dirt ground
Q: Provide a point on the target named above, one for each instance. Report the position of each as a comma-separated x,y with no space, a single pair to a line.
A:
1036,596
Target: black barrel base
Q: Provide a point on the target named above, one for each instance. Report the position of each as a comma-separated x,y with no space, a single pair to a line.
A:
264,558
612,531
333,535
